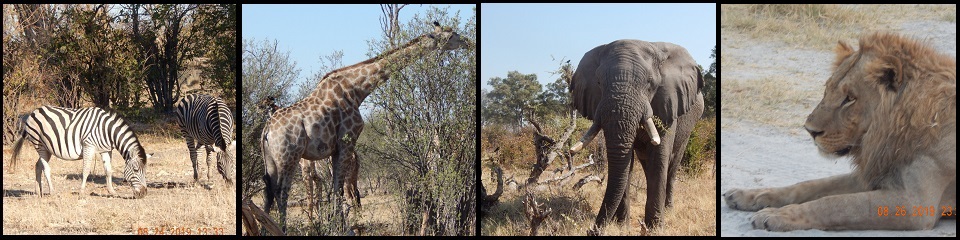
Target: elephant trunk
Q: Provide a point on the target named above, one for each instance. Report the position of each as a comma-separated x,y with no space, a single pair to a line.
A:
587,137
652,131
618,171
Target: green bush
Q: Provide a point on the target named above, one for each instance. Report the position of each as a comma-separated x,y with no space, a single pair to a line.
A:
701,147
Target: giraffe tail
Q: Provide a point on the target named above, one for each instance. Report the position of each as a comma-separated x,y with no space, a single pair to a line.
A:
268,190
268,182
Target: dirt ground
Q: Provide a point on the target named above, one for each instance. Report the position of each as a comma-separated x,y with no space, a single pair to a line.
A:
574,210
172,204
380,216
771,81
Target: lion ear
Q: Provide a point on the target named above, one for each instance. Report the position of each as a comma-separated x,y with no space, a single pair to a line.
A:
890,69
843,51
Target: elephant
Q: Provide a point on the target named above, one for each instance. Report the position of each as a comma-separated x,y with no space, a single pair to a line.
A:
622,86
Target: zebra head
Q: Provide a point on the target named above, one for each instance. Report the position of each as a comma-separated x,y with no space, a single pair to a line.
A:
226,161
135,170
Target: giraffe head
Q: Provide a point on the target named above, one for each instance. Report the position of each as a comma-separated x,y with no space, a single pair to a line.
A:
444,38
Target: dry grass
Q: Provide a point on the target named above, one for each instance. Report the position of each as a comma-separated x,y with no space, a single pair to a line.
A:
574,211
381,213
819,26
171,205
771,101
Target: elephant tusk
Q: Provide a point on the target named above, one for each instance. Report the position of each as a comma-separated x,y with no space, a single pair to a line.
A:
652,130
587,138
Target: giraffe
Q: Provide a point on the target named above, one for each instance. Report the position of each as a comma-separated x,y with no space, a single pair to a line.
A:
327,122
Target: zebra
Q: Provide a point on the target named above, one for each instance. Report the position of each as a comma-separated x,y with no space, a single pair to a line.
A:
205,120
74,134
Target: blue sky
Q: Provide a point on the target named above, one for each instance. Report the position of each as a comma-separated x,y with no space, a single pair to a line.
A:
309,32
523,37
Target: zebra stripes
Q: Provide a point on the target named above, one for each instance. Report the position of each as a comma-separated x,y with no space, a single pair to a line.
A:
74,134
206,120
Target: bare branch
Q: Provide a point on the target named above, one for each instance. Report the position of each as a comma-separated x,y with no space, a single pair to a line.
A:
535,213
490,200
587,179
548,149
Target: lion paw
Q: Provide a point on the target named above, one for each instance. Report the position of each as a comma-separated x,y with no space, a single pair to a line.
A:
783,219
751,200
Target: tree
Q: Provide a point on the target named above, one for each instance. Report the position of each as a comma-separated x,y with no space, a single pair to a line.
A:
555,100
710,87
267,76
511,97
328,63
162,46
425,115
216,28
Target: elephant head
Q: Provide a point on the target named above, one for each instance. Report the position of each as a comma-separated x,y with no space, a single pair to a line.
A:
622,86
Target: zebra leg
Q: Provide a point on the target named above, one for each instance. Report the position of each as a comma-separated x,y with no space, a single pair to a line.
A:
44,167
108,170
192,147
39,169
87,153
211,154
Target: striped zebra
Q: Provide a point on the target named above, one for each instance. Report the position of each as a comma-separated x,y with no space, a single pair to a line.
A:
206,120
74,134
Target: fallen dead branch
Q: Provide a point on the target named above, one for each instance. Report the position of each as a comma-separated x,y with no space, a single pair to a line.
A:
547,149
535,213
252,215
587,179
491,200
561,178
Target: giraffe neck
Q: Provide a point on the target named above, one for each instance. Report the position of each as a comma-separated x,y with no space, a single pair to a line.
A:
389,62
356,82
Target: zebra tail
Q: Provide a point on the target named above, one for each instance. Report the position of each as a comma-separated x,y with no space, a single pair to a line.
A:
16,150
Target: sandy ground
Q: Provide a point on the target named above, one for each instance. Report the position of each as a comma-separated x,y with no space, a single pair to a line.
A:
758,153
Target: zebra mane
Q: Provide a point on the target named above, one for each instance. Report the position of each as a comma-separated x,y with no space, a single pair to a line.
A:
126,149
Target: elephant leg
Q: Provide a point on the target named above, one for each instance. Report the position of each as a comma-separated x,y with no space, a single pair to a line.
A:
684,127
618,174
656,172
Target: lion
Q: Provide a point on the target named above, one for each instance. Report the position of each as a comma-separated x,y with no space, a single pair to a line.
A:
890,107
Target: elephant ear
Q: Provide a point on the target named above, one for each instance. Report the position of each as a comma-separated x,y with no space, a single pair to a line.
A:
585,87
682,82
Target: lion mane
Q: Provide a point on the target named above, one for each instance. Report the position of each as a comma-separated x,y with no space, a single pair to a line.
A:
917,91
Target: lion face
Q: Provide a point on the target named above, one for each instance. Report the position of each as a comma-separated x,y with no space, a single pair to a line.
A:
839,122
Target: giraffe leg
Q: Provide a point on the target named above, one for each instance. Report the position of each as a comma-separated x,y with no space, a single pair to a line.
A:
351,177
285,181
109,172
343,164
309,178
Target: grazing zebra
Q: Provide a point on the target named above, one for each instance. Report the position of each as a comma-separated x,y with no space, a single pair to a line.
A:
206,120
74,134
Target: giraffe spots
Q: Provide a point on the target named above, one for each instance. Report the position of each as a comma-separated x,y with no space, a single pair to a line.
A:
337,90
328,94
